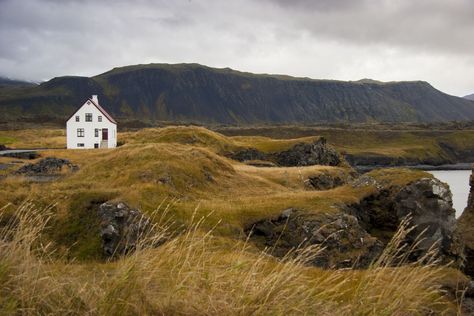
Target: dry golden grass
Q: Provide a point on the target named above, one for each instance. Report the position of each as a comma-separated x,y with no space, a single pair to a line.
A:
266,144
398,176
199,136
201,274
143,174
209,269
34,138
292,177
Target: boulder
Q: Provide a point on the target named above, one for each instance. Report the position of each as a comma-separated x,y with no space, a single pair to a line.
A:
466,229
324,181
429,204
121,228
47,166
342,241
307,154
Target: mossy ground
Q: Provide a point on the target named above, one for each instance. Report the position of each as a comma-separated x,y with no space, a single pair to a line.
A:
182,168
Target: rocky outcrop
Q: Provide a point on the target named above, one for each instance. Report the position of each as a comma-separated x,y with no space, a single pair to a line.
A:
355,235
466,229
47,166
302,154
307,154
3,147
427,203
342,241
121,228
325,181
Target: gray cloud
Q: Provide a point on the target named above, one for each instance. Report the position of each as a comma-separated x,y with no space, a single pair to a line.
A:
336,39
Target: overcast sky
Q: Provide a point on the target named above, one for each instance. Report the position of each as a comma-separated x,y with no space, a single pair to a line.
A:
429,40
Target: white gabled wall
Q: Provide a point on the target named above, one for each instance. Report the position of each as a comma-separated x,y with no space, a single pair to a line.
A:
89,138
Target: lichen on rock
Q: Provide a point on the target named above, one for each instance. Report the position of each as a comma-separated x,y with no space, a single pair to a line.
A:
47,166
122,228
342,242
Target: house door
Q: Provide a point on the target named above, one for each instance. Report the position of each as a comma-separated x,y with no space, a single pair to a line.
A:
105,134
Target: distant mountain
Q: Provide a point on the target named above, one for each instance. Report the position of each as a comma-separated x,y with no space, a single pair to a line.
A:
196,93
7,82
469,97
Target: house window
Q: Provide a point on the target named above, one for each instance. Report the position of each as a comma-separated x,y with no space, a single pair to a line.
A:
96,132
77,118
80,132
96,145
80,144
100,118
88,117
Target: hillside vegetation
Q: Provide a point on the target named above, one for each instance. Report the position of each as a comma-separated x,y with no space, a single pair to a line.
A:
384,146
360,146
194,93
53,264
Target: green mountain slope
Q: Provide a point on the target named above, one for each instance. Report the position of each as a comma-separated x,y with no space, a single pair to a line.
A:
195,93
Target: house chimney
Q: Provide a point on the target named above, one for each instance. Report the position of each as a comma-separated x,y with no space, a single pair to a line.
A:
95,99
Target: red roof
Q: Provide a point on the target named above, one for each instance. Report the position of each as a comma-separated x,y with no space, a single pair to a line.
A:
101,109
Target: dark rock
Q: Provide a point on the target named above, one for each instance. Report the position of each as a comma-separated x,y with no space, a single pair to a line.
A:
22,155
466,229
302,154
357,234
3,147
248,154
427,202
121,228
344,243
47,166
307,154
324,181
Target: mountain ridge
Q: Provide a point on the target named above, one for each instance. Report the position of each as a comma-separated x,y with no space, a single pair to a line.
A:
469,97
206,95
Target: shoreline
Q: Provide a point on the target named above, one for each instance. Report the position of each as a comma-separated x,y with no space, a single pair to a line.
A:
457,166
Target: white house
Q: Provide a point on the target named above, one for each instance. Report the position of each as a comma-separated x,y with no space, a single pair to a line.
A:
91,127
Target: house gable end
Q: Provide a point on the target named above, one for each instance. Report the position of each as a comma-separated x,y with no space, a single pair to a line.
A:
101,109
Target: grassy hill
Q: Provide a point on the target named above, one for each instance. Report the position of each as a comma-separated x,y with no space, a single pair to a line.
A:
53,265
195,93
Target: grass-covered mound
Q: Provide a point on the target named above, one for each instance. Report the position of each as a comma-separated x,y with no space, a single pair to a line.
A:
209,268
199,136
